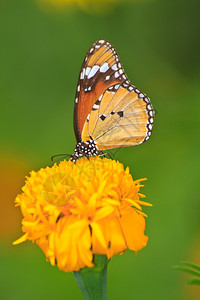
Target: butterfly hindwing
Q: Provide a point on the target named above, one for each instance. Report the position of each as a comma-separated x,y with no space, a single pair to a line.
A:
121,117
100,70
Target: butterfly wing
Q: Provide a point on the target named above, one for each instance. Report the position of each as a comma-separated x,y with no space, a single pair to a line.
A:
100,70
121,117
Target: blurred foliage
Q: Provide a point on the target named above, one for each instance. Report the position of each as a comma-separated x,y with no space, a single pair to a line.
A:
192,270
98,7
40,56
89,6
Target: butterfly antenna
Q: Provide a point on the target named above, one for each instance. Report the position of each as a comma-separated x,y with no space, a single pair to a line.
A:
63,155
55,161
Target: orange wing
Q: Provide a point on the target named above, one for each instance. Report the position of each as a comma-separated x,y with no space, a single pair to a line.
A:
122,116
100,70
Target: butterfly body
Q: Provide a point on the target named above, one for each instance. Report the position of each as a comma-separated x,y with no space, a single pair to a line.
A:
87,149
109,112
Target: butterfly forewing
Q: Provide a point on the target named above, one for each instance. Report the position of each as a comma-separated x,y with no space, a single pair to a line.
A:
101,69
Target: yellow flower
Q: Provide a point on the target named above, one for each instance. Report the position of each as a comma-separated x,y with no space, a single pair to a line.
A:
75,210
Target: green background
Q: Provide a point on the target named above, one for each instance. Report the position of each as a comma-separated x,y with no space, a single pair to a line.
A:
41,52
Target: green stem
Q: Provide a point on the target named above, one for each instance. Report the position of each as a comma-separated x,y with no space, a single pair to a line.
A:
92,281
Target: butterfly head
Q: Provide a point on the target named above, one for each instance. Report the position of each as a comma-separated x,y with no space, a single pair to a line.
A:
86,149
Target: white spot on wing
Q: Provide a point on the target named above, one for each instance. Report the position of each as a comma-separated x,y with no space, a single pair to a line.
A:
95,106
150,127
151,113
151,120
104,67
87,71
116,74
114,67
93,71
100,97
83,73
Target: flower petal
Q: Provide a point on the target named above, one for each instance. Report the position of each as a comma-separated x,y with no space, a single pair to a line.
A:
133,225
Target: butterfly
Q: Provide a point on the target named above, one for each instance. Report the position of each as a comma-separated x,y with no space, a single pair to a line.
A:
109,112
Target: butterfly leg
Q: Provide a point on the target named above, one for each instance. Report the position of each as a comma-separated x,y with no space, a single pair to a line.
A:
101,153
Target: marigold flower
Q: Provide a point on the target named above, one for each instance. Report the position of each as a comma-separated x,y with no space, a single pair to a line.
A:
75,210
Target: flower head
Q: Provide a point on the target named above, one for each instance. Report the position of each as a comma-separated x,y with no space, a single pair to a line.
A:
75,210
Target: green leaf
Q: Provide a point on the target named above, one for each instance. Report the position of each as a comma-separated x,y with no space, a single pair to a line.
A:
194,281
188,270
191,265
